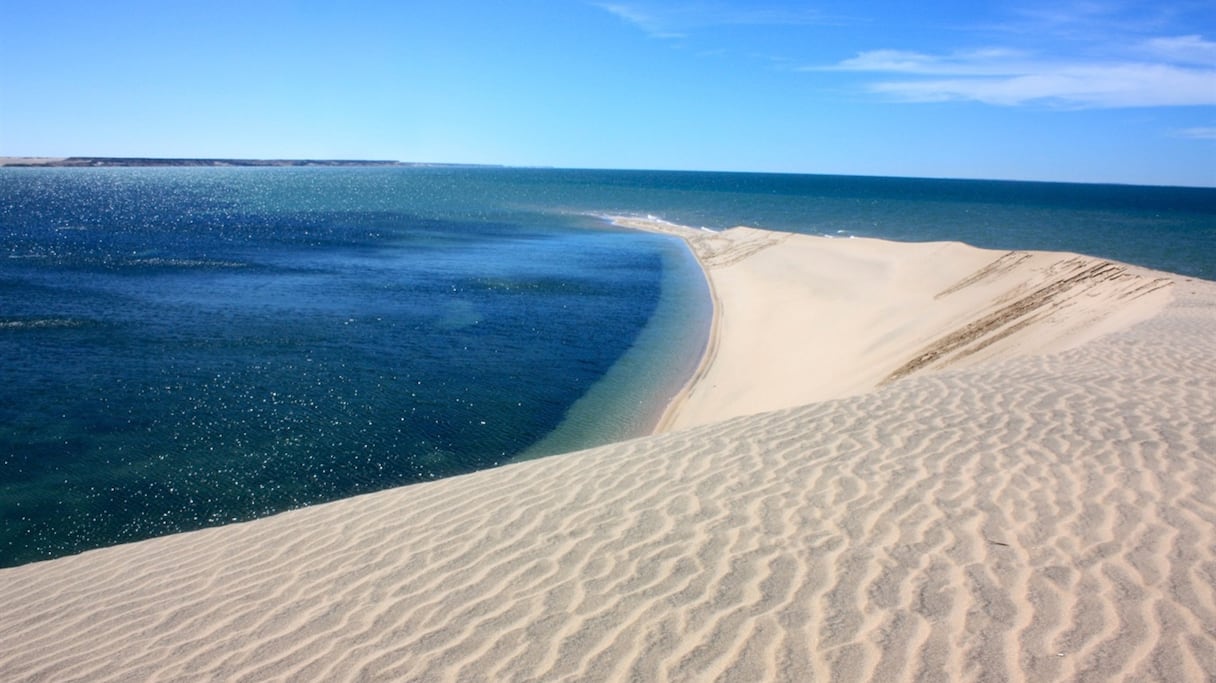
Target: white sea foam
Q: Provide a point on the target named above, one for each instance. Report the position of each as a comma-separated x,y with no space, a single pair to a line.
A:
41,323
186,263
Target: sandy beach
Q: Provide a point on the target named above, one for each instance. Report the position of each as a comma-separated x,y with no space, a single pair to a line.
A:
896,462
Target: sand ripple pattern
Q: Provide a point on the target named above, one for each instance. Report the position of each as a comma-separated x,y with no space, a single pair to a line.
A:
1045,518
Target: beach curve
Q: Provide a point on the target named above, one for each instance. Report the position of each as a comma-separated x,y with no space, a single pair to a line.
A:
803,318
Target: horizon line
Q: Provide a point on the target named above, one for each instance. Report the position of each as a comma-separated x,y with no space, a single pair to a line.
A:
26,161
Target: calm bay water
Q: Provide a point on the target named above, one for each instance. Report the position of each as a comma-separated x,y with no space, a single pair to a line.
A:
188,347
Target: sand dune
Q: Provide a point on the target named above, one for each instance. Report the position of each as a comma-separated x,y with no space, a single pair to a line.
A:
802,318
1036,516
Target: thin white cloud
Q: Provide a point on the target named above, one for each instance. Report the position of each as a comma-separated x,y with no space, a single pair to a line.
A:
1084,87
1180,76
677,20
987,62
649,23
1087,20
1182,49
1199,133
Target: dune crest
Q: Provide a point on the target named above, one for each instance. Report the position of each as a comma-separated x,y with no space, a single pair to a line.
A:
822,318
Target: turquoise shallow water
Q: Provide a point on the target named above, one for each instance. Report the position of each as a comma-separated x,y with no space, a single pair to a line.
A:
189,347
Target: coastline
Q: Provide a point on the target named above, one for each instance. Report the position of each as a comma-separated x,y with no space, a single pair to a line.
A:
667,418
1018,490
631,398
689,236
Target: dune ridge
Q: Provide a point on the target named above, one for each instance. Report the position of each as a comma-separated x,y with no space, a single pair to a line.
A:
804,318
1046,515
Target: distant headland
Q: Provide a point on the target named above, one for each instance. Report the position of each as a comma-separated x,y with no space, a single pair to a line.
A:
147,161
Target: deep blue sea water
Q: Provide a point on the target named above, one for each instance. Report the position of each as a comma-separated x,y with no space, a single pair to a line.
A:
190,347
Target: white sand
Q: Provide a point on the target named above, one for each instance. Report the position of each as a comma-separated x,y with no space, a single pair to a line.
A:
821,318
1045,514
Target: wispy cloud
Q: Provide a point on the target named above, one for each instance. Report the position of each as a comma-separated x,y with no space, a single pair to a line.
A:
985,62
1192,49
651,24
678,19
1089,20
1170,71
1200,133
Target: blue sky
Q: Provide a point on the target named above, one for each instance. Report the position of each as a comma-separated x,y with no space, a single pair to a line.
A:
1091,91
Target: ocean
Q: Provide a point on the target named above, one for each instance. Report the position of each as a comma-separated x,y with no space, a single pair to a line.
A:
189,347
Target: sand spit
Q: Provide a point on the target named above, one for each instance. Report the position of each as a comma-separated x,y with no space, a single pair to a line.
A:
1043,517
801,318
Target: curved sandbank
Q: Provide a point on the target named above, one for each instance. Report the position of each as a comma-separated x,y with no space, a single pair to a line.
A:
802,318
1008,476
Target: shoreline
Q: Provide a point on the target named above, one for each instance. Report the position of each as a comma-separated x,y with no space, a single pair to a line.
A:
689,236
672,409
686,234
629,400
1022,493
